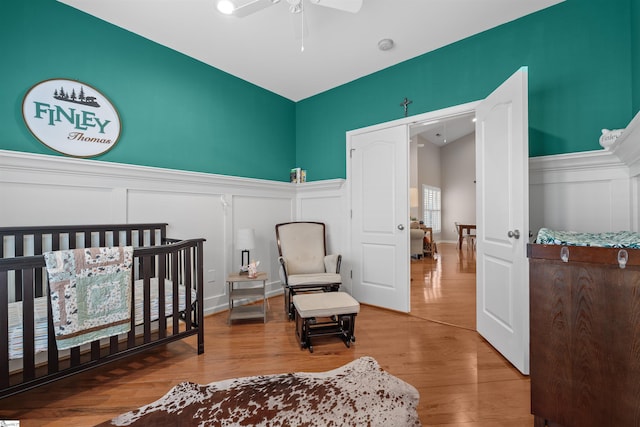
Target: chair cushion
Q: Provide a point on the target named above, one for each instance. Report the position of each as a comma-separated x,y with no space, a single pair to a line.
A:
319,278
303,247
325,304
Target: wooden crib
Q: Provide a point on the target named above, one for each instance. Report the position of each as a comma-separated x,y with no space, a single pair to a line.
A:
166,299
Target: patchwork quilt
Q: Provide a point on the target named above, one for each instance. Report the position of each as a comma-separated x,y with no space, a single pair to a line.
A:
90,292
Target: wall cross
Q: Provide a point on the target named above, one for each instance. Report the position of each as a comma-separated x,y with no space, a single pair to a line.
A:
405,104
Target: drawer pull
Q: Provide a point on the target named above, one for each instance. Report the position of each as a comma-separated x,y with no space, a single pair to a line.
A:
623,257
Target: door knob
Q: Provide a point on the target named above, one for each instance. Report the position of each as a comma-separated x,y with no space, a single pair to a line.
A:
515,234
400,227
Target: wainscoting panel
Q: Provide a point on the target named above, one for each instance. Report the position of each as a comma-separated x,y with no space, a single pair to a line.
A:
325,201
29,203
261,213
189,215
586,192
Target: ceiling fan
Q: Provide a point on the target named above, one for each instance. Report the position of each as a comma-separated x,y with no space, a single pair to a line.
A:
241,8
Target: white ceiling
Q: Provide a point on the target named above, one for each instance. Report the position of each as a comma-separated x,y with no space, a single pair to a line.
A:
441,132
339,46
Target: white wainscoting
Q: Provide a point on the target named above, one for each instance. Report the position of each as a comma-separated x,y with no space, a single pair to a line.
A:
590,191
53,190
586,192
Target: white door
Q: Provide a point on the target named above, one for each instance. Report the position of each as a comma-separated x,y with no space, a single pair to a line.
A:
502,203
380,217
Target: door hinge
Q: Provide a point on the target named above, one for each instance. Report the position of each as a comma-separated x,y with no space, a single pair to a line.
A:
351,274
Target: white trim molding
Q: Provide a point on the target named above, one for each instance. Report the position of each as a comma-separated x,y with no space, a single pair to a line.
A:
627,146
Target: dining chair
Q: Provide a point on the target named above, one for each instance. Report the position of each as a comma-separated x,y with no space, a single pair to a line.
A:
469,237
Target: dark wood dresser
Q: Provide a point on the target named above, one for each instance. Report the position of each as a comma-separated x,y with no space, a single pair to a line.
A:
585,336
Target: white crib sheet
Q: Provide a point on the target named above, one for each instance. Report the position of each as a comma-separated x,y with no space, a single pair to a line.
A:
40,314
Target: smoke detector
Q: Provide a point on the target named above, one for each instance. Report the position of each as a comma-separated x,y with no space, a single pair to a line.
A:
385,44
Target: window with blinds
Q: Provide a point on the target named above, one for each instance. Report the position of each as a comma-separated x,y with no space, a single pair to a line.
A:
431,208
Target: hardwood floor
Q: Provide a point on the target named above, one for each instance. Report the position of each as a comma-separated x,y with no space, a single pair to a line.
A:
462,380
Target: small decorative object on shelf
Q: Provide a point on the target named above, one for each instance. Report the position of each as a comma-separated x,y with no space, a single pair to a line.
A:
298,175
252,269
295,175
608,137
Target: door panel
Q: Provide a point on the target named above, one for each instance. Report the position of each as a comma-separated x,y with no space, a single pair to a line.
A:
498,293
502,203
380,217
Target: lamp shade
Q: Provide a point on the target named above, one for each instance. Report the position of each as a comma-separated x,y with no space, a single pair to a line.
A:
245,238
413,197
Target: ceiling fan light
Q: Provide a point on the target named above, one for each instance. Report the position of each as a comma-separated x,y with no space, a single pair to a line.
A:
225,7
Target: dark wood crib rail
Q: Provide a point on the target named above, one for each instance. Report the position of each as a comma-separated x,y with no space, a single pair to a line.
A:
174,262
34,240
133,232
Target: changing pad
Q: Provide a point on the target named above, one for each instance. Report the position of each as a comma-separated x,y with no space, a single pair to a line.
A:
618,239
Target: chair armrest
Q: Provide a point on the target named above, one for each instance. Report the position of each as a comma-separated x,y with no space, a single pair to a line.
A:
284,278
332,263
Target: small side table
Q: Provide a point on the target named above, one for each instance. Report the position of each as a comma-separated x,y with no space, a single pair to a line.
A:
252,311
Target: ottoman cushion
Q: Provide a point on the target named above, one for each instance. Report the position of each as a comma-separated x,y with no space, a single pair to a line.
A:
325,304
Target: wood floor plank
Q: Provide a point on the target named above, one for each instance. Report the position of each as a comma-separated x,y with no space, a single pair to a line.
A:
462,380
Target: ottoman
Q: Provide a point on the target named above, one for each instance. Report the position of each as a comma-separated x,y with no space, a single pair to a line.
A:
325,313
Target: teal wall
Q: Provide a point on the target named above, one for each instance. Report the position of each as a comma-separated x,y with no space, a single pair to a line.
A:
579,58
176,112
179,113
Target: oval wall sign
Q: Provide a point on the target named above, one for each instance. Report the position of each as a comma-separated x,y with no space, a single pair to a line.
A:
71,117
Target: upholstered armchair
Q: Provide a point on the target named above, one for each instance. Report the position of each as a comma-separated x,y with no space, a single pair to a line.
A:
304,263
417,242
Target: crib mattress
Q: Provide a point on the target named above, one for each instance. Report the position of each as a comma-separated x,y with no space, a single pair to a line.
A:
619,239
40,315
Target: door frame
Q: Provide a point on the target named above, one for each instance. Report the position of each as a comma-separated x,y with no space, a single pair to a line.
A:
510,340
435,115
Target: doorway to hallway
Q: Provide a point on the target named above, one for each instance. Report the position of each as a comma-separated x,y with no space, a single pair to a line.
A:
443,290
502,299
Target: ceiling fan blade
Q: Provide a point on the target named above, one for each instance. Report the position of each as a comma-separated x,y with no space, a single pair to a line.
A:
352,6
247,7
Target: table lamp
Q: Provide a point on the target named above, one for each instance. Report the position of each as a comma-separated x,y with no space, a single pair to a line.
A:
245,240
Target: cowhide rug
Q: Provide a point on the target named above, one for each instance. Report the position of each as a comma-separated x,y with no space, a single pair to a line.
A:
357,394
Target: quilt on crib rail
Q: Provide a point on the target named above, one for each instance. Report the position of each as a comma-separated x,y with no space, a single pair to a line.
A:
90,292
